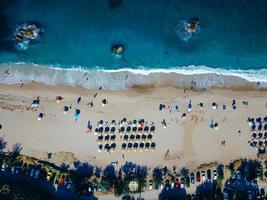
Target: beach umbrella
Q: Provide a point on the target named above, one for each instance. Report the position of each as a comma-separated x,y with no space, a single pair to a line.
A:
112,137
260,134
112,130
104,102
106,147
123,146
141,121
146,129
260,127
153,146
122,129
112,147
100,147
214,105
40,116
125,137
141,146
132,137
152,128
107,137
140,129
254,135
134,129
129,146
100,138
106,129
149,136
253,127
143,137
147,145
65,109
128,129
137,137
96,131
100,129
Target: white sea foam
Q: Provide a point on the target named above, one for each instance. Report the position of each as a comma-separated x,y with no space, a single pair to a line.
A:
199,77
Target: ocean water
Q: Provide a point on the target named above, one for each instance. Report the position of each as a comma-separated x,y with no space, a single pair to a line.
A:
80,33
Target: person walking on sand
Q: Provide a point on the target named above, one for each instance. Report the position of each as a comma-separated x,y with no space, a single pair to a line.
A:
89,127
79,100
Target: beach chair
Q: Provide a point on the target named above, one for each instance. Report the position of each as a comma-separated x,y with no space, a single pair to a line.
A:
143,137
260,134
107,138
100,130
113,129
147,146
146,129
128,129
100,138
152,129
106,148
254,135
260,127
100,147
106,129
135,146
112,147
125,137
132,137
141,146
112,137
122,129
153,146
134,129
140,129
129,146
253,127
96,131
150,136
123,146
138,137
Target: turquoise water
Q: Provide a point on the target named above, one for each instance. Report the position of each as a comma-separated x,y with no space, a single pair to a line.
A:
81,32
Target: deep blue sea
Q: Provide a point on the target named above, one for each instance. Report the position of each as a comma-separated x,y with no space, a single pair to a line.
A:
233,33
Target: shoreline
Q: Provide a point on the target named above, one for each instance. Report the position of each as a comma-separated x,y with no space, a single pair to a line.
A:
198,78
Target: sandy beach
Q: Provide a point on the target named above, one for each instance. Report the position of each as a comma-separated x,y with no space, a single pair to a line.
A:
189,142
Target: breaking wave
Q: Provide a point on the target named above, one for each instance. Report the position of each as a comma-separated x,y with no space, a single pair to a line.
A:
198,77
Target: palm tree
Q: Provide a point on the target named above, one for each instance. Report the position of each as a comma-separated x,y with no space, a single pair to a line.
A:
157,175
184,172
3,144
16,148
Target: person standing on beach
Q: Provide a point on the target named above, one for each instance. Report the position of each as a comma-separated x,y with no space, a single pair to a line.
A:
79,100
